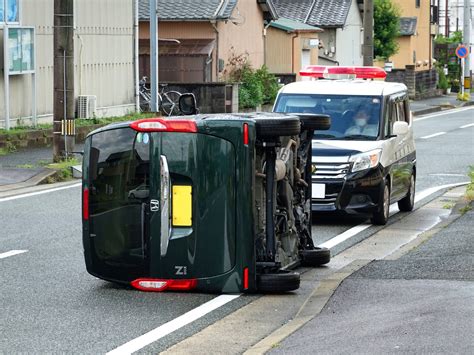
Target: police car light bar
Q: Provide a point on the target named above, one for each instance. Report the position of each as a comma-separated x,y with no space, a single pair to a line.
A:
337,72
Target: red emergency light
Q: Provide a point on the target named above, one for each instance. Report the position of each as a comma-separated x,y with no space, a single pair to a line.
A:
343,72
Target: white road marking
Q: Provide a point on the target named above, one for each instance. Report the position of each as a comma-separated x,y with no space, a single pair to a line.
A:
443,113
393,210
467,125
446,174
11,253
167,328
433,135
16,197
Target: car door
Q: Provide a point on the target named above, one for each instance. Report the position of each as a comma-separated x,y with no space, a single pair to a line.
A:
393,147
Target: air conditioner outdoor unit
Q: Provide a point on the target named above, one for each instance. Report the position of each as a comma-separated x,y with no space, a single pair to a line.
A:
86,105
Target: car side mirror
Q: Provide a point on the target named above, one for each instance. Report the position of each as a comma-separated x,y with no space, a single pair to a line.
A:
187,104
400,128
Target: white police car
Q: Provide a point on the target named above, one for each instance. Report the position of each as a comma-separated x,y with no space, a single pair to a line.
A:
367,159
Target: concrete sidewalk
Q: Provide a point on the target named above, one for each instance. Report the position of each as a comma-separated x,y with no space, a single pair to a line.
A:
418,302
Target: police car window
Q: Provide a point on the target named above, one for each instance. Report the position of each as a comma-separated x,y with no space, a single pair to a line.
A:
352,117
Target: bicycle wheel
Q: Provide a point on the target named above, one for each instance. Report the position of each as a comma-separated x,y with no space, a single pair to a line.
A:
170,103
145,105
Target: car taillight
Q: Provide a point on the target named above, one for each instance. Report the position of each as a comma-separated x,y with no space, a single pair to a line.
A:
246,134
85,203
164,125
158,285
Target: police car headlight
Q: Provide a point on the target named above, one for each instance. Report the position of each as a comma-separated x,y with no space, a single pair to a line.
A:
364,161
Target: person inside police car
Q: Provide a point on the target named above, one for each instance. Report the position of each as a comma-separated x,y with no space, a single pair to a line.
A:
361,124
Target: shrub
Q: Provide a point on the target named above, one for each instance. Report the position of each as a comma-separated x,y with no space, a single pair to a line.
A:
442,82
256,87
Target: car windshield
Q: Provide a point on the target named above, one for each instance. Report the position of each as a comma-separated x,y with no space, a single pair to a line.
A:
352,117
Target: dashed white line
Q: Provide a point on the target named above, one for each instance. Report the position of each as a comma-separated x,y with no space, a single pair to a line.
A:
12,253
467,125
167,328
433,135
16,197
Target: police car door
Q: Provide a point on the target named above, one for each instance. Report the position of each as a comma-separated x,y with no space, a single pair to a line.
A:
396,147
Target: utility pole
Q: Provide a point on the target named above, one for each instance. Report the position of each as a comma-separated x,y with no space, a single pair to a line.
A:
446,20
63,106
467,42
154,56
368,47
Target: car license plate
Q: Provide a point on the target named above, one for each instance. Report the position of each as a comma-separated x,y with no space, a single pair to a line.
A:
318,191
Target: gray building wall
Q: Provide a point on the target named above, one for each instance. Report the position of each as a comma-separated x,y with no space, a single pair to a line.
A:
103,58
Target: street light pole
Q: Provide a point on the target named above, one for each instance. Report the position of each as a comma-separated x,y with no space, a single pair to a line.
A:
467,43
154,56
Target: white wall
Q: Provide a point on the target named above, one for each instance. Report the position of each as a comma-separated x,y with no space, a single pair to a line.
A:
103,58
347,41
349,38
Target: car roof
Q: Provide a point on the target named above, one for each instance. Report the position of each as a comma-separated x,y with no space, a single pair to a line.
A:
355,87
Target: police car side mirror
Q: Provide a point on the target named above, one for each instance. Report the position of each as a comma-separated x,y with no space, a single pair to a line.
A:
187,104
400,128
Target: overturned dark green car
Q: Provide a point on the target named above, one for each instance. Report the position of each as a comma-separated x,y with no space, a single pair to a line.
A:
212,203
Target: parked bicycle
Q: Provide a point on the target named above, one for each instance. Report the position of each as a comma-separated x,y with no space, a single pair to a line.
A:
168,101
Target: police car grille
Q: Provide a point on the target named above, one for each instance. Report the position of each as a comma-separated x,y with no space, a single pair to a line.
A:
331,171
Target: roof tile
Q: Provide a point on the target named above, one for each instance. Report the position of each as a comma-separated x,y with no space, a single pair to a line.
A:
188,9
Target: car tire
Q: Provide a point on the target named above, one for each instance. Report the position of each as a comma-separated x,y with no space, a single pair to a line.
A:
275,126
315,257
380,217
283,281
407,203
315,122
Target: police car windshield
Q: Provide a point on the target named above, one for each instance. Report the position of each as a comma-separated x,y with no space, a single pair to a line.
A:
352,117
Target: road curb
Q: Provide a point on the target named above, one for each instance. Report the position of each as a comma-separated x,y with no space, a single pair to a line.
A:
311,307
35,180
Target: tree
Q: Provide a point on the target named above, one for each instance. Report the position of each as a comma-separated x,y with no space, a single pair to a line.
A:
386,28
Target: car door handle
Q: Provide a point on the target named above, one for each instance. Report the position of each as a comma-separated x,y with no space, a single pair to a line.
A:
165,197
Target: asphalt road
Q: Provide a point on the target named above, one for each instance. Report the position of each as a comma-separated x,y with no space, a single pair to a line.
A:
50,303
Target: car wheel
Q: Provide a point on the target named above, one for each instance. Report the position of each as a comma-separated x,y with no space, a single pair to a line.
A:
315,257
275,126
315,122
380,217
407,203
283,281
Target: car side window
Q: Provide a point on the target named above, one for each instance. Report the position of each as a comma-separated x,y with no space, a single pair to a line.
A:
392,116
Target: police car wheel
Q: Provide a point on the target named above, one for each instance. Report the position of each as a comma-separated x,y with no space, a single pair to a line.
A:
277,126
283,281
380,217
315,122
407,203
315,257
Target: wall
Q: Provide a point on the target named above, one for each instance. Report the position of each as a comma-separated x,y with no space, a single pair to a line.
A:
103,58
183,30
244,38
421,41
421,83
349,38
211,97
279,51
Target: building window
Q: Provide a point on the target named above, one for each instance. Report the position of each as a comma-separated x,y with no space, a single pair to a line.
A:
417,3
9,11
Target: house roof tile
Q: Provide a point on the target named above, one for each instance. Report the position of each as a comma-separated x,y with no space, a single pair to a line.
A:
321,13
293,26
179,10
